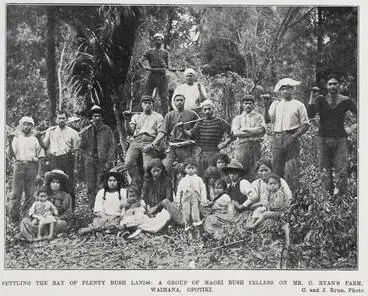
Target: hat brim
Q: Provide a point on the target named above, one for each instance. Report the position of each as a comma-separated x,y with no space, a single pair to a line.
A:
228,170
64,179
97,111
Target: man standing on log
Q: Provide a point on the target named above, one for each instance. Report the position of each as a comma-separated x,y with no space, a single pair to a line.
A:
289,120
97,148
333,148
158,59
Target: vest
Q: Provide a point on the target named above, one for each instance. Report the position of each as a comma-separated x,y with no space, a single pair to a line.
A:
235,194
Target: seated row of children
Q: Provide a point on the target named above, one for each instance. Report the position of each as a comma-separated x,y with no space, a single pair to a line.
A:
194,200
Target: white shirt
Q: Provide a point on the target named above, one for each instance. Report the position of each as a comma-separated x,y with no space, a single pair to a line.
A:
287,115
192,183
261,191
111,204
27,148
61,141
191,94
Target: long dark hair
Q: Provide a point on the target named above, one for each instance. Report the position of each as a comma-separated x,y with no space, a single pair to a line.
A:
106,187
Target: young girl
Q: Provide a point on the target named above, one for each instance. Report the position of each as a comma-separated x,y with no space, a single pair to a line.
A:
191,194
223,209
108,204
210,176
42,213
221,161
274,206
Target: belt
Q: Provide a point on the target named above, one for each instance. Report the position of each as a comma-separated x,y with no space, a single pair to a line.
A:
285,132
25,161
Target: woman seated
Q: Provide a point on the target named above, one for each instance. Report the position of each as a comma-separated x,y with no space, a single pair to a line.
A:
56,182
267,201
108,204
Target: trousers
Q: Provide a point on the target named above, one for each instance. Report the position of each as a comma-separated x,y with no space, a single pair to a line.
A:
24,175
248,153
285,159
160,81
333,157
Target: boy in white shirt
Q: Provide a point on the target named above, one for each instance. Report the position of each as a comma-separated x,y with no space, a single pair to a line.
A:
191,194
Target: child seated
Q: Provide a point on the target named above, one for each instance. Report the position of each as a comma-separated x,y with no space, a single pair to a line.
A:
42,213
222,202
134,211
191,194
276,203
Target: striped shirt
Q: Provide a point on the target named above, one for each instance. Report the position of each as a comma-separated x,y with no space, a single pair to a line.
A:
209,133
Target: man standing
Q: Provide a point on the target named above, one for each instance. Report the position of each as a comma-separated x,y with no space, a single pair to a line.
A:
173,127
249,127
62,143
158,59
333,148
144,127
193,92
27,168
208,134
97,147
289,121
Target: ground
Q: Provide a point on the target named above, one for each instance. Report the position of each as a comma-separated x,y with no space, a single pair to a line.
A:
171,249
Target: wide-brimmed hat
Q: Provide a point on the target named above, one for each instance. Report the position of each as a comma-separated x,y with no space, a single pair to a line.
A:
286,82
95,110
234,166
59,175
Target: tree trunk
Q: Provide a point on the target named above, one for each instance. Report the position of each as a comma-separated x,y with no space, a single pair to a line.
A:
51,61
319,47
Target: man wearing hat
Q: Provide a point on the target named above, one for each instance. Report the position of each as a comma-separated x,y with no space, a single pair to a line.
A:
27,168
240,189
144,127
249,127
193,92
97,149
62,143
333,147
158,58
208,134
289,120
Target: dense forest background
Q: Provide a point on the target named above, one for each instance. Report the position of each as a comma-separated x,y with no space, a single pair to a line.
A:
76,56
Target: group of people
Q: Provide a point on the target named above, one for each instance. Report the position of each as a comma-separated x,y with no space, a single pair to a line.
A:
175,164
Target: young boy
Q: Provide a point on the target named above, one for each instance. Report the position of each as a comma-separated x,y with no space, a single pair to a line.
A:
42,213
191,194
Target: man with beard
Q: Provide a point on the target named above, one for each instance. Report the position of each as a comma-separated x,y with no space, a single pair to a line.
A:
249,127
144,127
97,148
62,144
158,59
208,134
289,120
333,148
27,168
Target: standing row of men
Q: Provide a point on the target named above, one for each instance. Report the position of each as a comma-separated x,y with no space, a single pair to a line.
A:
186,132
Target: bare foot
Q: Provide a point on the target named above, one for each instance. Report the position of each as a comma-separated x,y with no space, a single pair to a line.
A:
49,237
